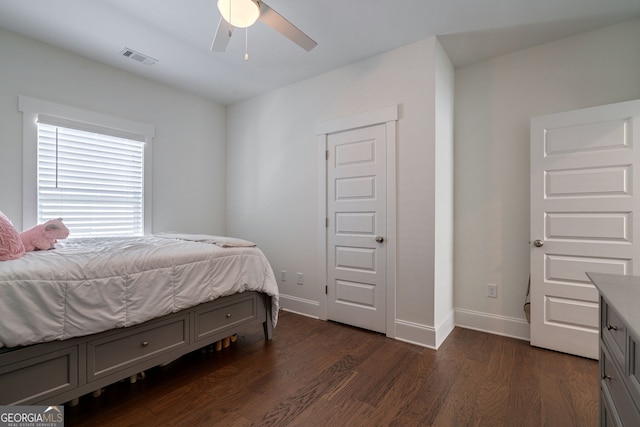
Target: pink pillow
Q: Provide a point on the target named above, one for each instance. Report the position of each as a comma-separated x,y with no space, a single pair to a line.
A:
11,246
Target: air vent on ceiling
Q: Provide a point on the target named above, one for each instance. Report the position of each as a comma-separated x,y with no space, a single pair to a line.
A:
137,56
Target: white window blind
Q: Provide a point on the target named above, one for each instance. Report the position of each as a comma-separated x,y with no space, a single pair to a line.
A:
91,177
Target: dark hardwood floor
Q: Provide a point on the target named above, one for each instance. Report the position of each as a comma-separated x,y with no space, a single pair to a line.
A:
316,373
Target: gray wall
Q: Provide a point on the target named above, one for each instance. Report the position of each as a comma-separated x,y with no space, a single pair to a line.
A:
494,101
189,150
274,172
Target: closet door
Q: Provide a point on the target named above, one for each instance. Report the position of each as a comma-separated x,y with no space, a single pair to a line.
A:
585,203
356,247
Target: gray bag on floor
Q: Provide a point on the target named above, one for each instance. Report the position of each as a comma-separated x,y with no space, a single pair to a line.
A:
527,302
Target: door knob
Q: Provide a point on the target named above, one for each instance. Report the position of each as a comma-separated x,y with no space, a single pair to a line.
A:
379,239
538,243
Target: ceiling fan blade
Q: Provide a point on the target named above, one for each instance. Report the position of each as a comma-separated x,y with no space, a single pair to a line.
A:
222,37
284,27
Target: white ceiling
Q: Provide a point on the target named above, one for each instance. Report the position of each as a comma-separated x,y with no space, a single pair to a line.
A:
178,34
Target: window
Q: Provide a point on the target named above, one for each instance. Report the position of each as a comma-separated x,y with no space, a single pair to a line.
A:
92,180
87,168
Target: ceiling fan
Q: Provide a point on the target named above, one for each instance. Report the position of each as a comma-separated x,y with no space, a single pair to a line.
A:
243,13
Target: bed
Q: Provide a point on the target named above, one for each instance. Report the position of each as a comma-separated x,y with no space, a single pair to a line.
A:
94,311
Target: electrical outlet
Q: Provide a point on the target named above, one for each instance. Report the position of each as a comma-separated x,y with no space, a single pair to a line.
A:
283,276
492,290
300,278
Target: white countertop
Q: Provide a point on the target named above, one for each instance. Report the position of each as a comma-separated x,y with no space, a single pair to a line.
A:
623,294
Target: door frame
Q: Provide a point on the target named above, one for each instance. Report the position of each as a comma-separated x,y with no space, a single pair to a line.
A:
387,116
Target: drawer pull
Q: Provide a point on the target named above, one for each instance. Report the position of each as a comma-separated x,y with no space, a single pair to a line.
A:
145,343
612,328
228,315
606,377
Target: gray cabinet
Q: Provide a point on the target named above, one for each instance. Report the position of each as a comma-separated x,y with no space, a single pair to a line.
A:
619,358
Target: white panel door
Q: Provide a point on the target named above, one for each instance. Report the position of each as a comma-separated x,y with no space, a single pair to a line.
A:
585,178
356,205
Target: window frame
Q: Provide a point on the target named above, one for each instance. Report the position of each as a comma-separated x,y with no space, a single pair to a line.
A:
32,108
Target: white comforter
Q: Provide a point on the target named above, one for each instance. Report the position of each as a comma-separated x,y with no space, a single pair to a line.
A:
85,286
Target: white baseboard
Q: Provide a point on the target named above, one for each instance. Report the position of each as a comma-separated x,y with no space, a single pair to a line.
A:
493,324
424,335
415,333
445,328
300,306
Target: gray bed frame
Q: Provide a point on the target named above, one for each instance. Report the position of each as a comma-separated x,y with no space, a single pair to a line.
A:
56,372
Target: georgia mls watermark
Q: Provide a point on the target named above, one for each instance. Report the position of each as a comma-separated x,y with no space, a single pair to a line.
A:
31,416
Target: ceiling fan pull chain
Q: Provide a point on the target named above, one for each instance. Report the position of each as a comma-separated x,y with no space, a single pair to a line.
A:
229,17
246,44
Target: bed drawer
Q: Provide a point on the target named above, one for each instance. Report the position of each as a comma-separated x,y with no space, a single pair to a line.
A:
37,378
220,318
126,348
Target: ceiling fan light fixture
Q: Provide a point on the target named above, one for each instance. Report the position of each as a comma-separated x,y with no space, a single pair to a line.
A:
239,13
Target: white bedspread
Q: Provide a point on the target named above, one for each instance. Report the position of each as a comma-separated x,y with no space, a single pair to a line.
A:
90,285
